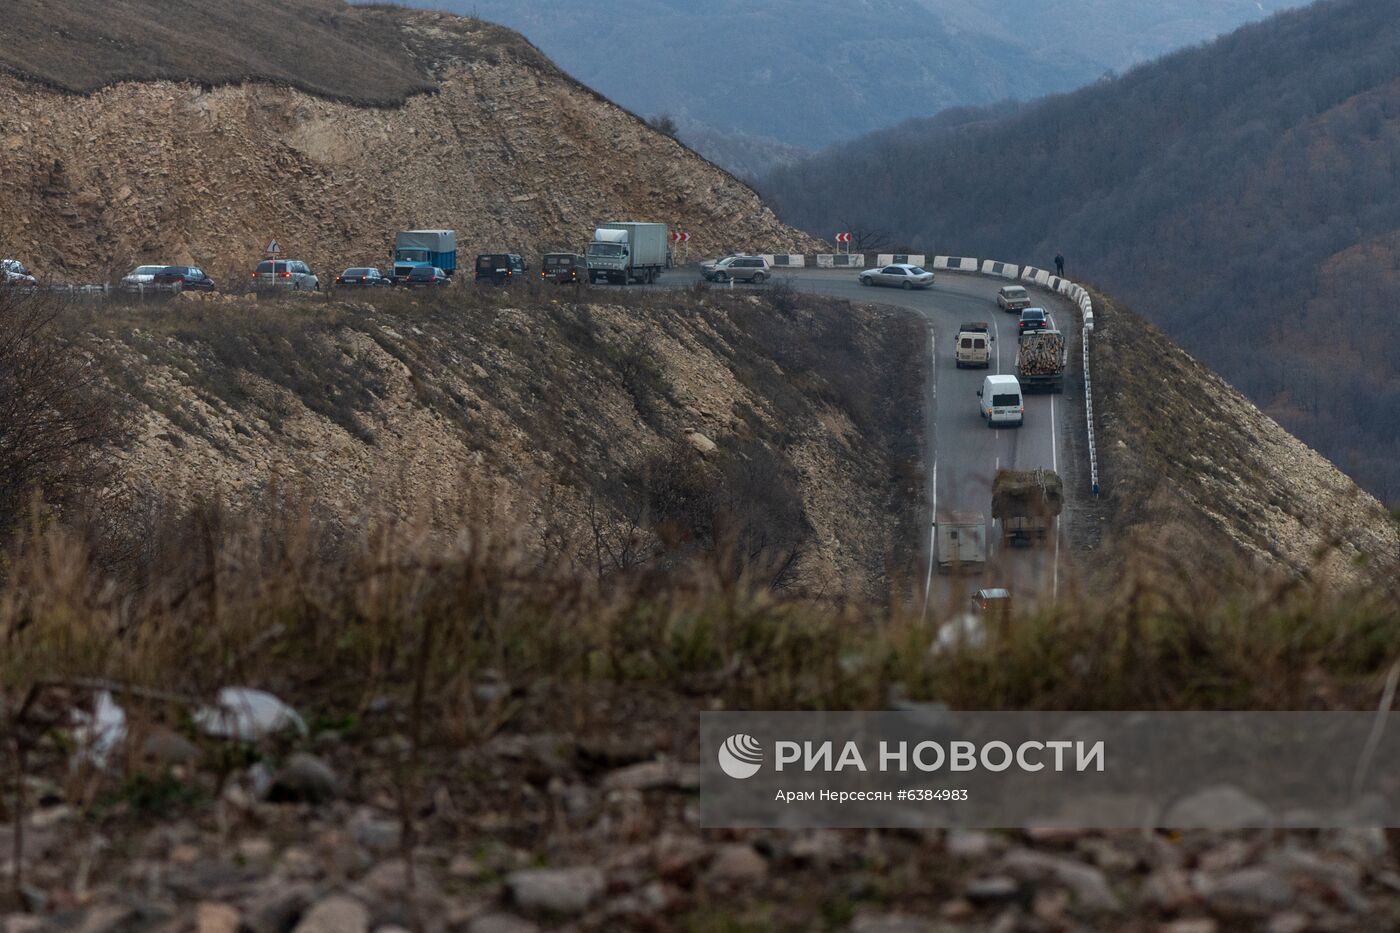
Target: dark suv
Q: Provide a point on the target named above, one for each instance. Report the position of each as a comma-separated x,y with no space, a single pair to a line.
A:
499,268
187,278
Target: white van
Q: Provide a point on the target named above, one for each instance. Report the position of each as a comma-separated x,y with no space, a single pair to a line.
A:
1002,403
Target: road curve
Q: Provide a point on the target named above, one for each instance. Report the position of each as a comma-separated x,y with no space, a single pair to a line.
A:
963,454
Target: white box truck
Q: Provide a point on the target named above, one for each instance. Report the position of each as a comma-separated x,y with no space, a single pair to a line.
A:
627,252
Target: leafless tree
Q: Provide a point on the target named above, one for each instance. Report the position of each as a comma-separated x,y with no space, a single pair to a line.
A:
57,413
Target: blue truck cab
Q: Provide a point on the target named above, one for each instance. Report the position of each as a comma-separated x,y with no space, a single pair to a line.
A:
416,249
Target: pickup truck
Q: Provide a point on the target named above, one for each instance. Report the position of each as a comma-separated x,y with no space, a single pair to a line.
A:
974,345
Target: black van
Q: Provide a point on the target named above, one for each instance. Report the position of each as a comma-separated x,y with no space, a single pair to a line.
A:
564,267
499,268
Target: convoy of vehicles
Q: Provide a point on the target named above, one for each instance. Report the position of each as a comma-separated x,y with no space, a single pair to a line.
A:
417,249
741,268
1025,503
973,345
1002,402
898,275
628,252
1040,361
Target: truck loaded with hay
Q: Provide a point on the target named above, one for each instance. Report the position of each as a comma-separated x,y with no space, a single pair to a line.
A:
1026,503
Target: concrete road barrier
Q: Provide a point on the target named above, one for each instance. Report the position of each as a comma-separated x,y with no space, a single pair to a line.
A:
786,260
841,260
913,259
1003,269
955,263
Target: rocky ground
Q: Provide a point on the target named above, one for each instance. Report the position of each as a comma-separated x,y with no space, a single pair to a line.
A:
532,830
508,151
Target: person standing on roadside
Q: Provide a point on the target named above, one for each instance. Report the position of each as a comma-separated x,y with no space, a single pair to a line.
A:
1060,265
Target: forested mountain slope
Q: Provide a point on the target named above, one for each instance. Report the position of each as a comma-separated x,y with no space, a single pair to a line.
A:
809,73
1245,193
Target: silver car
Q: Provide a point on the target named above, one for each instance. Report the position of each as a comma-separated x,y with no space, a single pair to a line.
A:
291,274
899,275
12,272
139,279
738,268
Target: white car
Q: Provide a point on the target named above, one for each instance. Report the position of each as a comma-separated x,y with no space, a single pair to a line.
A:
142,277
12,272
899,275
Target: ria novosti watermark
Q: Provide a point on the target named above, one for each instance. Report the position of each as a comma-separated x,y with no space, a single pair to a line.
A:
1094,770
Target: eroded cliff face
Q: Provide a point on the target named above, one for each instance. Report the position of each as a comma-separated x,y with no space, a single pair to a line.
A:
509,154
1196,475
599,432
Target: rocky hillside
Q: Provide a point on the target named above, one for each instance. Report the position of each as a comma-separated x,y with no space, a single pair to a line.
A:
613,435
1191,467
199,162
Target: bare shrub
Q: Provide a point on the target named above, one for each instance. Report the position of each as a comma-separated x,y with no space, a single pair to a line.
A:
58,415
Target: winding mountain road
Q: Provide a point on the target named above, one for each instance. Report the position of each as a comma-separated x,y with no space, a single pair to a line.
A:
963,454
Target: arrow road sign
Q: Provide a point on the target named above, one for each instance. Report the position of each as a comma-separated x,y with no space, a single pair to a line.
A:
843,238
680,236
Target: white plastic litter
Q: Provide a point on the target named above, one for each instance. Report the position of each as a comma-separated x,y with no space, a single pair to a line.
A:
247,715
962,632
100,731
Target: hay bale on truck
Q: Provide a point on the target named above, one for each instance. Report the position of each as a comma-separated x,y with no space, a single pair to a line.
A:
1026,502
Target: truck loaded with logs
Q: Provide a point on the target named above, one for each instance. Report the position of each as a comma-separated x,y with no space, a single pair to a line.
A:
1040,361
1026,503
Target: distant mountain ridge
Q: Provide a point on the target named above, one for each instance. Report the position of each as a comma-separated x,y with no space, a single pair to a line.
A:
808,73
1245,195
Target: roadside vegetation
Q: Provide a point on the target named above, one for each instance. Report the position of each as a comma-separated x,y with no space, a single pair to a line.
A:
449,668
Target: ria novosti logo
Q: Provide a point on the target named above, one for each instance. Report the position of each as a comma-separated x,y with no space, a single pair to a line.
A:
740,756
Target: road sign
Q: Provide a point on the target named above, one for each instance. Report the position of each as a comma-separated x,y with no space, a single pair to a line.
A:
680,236
273,248
685,237
843,238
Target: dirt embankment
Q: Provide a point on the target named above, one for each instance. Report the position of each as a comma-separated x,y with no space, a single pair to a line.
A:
506,149
1191,467
619,432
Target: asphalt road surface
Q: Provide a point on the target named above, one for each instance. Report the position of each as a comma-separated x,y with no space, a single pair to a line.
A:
964,454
